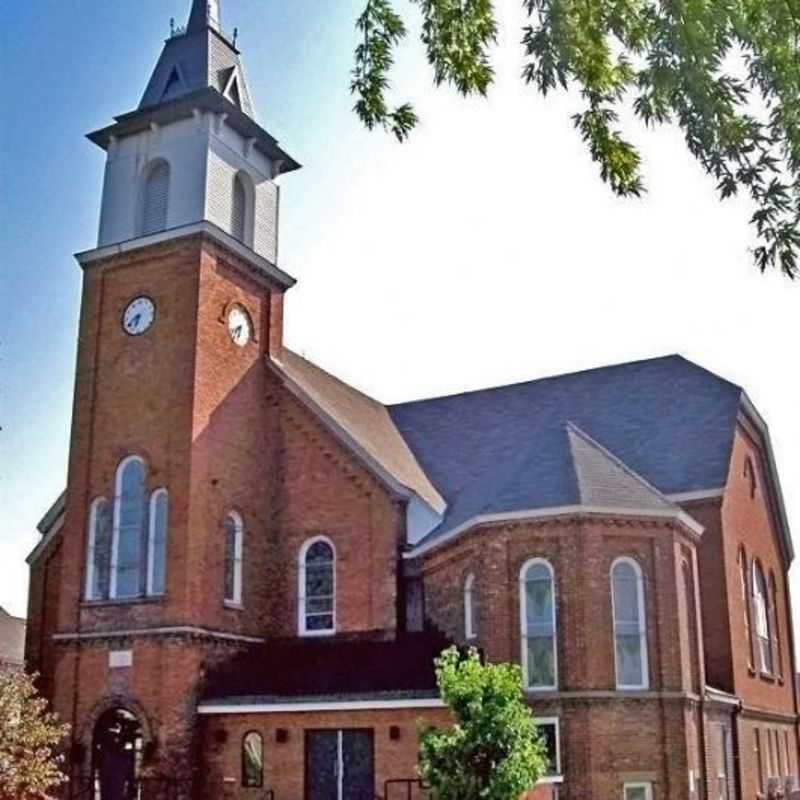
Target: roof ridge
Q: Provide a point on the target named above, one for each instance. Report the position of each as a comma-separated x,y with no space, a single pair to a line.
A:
561,376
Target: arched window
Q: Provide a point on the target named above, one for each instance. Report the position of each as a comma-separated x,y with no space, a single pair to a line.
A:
98,561
253,761
762,622
130,509
745,591
234,530
155,197
470,609
538,618
239,209
317,588
776,628
630,629
157,541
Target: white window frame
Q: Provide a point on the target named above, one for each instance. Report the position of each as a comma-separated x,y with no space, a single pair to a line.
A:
238,551
764,606
90,550
523,599
301,588
556,722
640,602
470,629
112,591
646,785
151,540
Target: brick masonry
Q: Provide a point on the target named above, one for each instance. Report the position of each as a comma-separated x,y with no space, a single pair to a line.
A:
216,426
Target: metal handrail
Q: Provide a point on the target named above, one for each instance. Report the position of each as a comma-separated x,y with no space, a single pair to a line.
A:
408,783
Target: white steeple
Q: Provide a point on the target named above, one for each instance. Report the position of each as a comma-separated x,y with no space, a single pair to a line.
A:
192,154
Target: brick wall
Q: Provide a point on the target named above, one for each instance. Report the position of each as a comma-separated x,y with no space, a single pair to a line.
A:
284,763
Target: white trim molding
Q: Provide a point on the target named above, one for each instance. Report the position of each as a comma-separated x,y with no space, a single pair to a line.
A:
642,624
174,630
523,617
558,776
677,514
304,707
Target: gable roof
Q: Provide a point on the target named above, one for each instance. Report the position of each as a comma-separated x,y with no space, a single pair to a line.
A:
667,421
12,639
364,424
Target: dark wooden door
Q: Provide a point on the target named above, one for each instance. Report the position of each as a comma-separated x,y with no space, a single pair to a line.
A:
340,765
358,761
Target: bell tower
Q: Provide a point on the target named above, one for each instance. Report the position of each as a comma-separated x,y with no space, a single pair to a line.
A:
172,432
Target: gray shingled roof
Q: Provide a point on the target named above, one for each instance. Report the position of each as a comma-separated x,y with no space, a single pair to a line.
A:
604,481
364,421
12,639
508,449
197,59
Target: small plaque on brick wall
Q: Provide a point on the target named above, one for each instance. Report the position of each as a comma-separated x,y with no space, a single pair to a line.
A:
120,659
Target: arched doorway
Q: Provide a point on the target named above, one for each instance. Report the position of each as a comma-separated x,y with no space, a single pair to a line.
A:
116,756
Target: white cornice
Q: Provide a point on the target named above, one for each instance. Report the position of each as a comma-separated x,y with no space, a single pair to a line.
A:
677,514
324,705
260,264
701,494
176,630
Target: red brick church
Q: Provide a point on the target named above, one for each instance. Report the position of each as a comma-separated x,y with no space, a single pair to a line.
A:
241,591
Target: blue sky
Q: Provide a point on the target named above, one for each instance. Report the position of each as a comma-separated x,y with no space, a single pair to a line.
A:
484,251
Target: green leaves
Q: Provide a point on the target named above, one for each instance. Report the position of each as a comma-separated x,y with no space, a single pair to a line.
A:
727,72
493,751
382,30
457,35
29,765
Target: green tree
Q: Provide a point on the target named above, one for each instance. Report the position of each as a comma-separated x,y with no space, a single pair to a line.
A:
493,751
30,766
727,72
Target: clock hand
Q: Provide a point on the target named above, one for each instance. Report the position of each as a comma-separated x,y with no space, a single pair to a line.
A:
237,332
135,321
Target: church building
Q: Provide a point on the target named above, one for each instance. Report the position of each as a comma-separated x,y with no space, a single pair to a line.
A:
243,588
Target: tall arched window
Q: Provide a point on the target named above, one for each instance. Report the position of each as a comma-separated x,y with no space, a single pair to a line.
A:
234,530
630,628
776,628
239,209
130,510
98,561
745,592
538,618
155,198
253,761
157,541
317,588
470,610
762,621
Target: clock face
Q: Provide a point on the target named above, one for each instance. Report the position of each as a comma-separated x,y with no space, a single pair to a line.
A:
240,327
139,316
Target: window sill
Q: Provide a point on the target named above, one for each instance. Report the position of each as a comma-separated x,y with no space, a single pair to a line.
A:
154,599
551,779
233,606
767,676
316,634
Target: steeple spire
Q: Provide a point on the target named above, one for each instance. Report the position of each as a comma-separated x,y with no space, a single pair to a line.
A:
205,13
